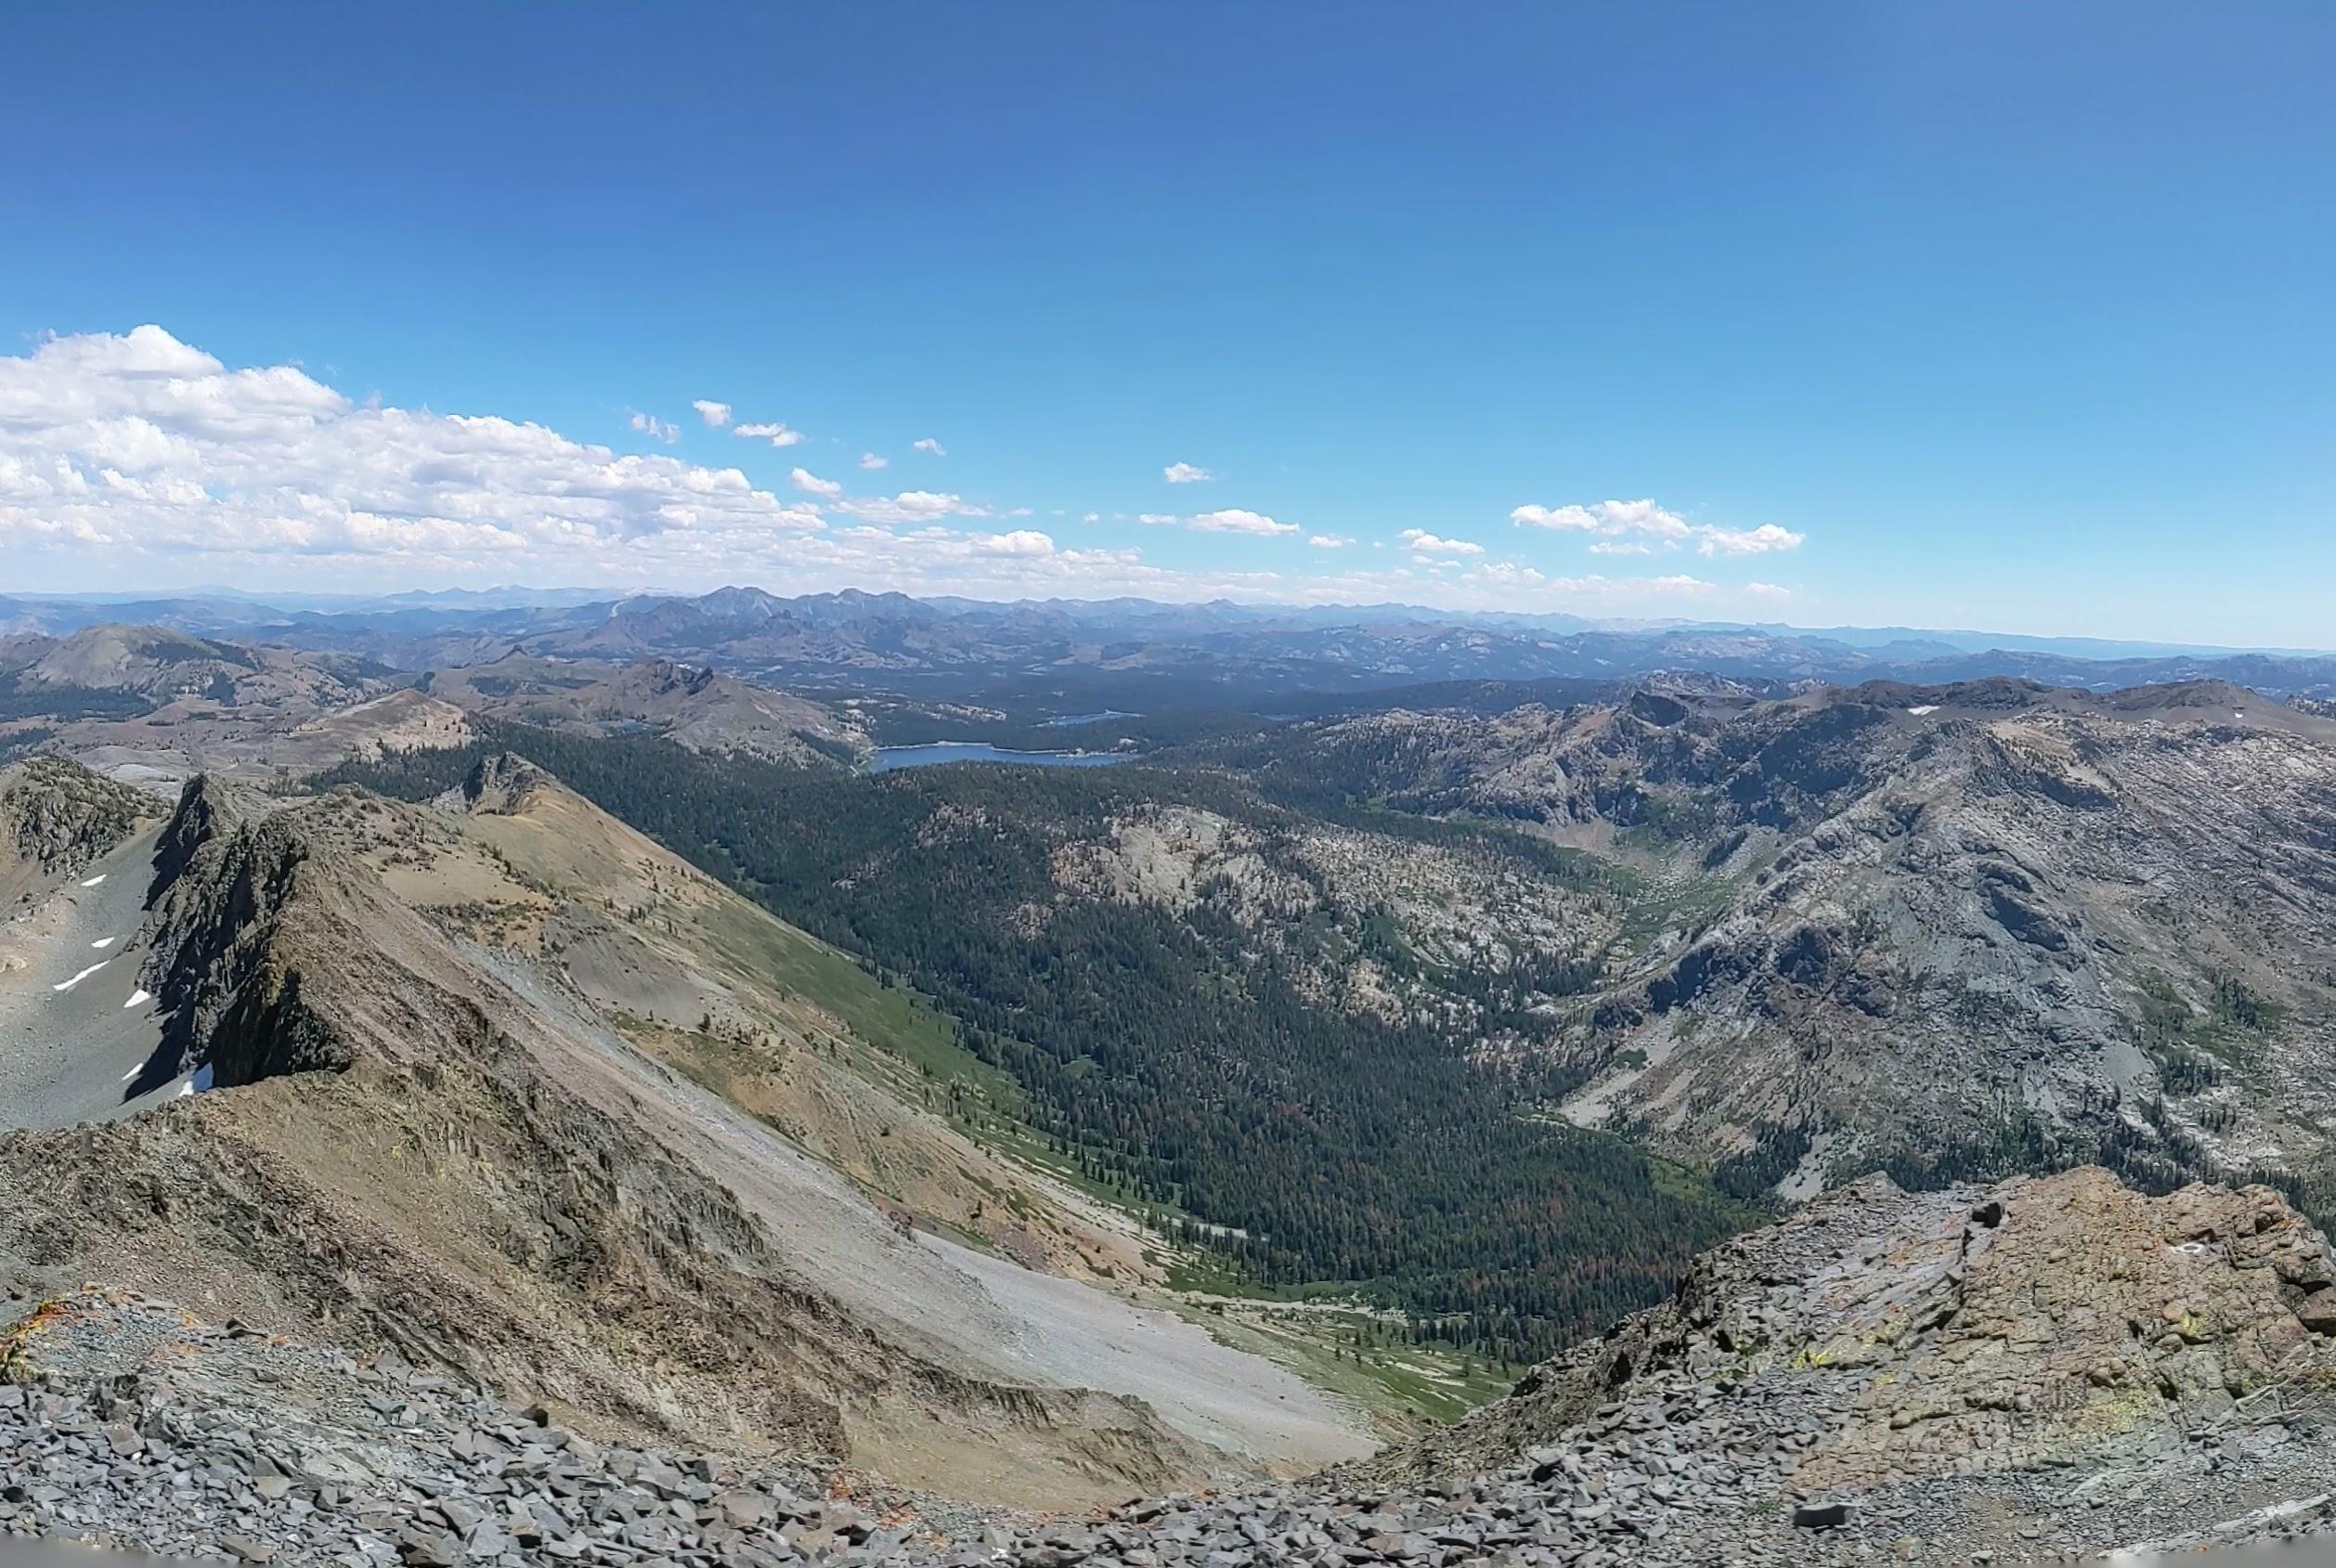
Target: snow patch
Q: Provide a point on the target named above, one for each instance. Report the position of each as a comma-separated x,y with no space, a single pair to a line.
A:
138,996
68,985
1926,707
92,882
103,942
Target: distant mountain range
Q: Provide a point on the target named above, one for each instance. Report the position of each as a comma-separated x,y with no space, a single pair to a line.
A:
1131,653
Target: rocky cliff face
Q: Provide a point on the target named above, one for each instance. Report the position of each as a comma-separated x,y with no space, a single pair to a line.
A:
1939,930
57,816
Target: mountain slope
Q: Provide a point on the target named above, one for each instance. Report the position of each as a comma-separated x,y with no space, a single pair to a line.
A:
1221,1009
410,1135
698,708
2046,1371
1946,929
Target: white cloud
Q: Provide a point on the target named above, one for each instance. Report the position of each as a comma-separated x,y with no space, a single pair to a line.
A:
871,461
1020,541
1650,527
1233,520
1605,517
910,506
649,425
138,460
1158,519
778,435
1768,591
143,444
1091,517
1329,542
1424,543
1621,588
930,446
1185,473
1749,541
806,481
716,415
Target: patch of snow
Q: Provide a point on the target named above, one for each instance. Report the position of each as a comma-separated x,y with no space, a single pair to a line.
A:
68,985
138,996
103,942
1926,707
132,1072
93,881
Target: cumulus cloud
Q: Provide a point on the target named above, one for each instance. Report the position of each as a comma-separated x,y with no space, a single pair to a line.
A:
1615,592
928,447
716,415
141,442
806,481
910,506
137,460
1605,517
1020,541
1329,542
1640,528
778,435
649,425
1233,520
1749,541
1424,543
871,461
1185,473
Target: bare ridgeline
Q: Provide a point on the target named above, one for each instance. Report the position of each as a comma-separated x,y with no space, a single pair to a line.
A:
417,1248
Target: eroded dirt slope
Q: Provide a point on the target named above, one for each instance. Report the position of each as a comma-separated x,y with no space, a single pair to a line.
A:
412,1137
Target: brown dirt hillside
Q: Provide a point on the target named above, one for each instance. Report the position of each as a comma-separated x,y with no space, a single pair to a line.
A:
413,1138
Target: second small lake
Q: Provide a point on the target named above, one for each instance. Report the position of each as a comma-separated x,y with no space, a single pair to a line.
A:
890,757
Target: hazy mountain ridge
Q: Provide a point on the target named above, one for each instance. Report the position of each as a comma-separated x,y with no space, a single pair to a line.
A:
832,639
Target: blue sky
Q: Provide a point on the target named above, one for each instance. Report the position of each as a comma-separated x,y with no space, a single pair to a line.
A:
2009,316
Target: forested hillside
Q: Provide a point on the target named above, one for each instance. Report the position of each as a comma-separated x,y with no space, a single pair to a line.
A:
1186,1062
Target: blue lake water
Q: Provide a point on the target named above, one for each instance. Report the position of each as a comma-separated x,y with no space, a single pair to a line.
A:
1069,719
888,757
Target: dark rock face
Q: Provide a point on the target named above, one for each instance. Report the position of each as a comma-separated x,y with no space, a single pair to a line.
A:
57,816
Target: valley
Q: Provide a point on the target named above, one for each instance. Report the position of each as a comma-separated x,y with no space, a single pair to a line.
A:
1289,1087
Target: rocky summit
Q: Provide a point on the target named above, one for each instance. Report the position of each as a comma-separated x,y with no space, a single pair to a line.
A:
2042,1371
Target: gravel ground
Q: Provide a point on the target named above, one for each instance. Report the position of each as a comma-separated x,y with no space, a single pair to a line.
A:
79,1049
128,1422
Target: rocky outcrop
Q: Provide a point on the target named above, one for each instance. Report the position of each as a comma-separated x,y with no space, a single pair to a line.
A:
57,816
2043,1370
1924,925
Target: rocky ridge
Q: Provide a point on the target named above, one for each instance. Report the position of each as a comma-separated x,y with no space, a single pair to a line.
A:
1895,925
409,1140
2044,1370
57,816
